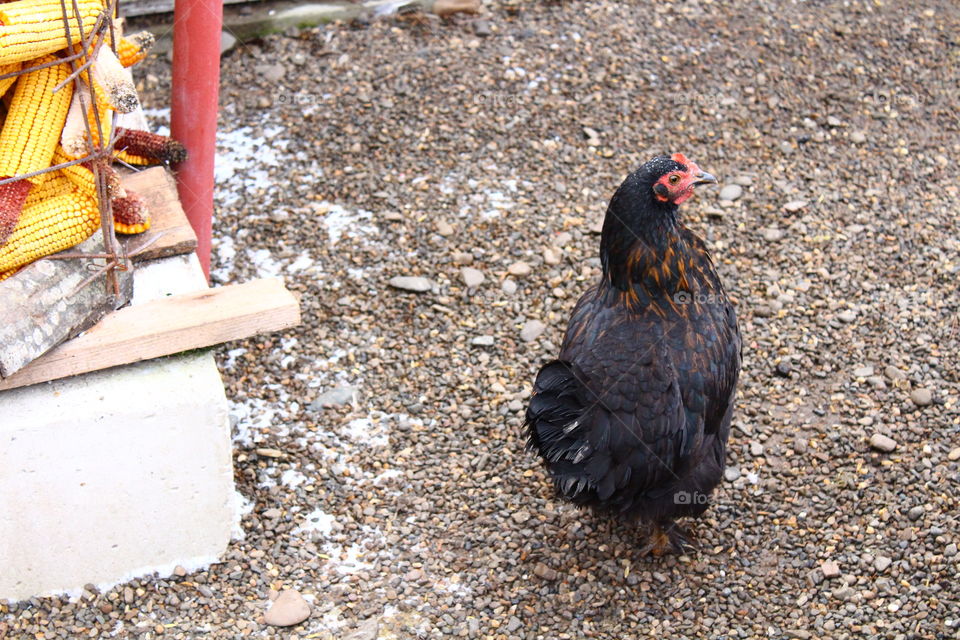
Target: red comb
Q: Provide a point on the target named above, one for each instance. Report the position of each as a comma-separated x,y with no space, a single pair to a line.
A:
682,159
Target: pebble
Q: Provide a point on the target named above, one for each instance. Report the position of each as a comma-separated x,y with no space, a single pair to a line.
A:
545,572
954,454
794,205
519,269
883,443
880,563
336,397
483,341
444,228
462,258
272,73
950,550
287,610
894,373
509,286
915,513
513,624
743,181
369,629
797,634
863,372
843,593
472,277
731,473
771,234
520,517
532,330
756,449
482,28
552,256
921,397
416,284
783,369
858,137
834,121
731,192
847,316
830,569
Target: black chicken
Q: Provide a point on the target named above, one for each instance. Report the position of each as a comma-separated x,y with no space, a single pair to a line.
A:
632,419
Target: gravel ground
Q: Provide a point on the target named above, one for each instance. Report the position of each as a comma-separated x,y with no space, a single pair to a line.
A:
379,444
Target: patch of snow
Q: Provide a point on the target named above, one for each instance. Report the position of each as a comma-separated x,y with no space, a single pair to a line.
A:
317,521
341,222
242,505
292,478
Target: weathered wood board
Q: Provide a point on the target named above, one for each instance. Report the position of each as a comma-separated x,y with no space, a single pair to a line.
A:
167,326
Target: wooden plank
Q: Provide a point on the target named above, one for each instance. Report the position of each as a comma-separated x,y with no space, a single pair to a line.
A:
167,326
170,232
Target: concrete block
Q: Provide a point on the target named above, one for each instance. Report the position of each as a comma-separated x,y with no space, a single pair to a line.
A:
117,473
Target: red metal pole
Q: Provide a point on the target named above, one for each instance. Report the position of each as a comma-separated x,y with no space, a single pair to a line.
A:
193,110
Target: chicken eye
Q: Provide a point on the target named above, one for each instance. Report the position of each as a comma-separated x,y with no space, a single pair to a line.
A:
674,179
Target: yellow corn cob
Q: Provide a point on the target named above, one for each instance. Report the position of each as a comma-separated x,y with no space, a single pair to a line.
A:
6,83
57,185
134,48
130,214
135,160
33,28
34,121
50,225
112,82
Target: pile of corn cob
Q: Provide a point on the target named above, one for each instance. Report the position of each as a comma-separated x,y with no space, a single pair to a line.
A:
48,119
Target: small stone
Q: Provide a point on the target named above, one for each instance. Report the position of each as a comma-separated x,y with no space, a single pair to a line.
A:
731,473
858,137
880,563
731,192
545,572
882,443
714,213
532,330
482,28
783,369
272,513
950,550
863,372
513,624
834,121
411,283
771,234
444,228
756,449
472,277
843,593
482,341
272,73
520,516
830,569
814,577
268,452
227,42
893,373
794,205
413,575
128,595
552,256
519,269
915,513
287,610
743,181
336,397
369,629
798,634
847,316
509,286
954,455
179,571
462,258
921,397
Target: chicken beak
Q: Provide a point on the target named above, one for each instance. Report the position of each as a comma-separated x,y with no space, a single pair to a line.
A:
704,178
